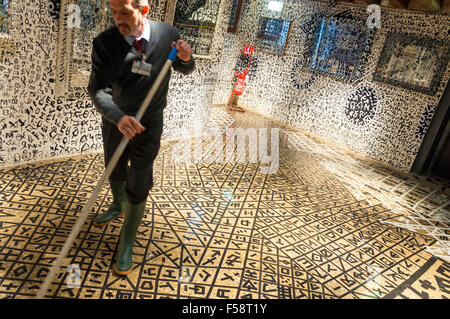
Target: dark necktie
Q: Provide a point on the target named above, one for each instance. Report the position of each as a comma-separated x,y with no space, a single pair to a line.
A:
138,45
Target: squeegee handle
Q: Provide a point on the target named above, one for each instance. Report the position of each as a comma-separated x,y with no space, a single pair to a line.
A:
156,84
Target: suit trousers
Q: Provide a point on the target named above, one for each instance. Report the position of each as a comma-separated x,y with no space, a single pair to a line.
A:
140,152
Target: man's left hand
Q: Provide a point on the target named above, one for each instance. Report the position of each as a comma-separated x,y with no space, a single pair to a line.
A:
184,50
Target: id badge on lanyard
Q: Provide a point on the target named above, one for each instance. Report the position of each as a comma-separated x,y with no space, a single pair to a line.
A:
141,67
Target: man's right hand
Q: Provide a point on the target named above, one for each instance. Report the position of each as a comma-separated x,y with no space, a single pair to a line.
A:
129,127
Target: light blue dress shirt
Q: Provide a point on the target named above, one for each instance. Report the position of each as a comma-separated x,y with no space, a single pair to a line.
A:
145,34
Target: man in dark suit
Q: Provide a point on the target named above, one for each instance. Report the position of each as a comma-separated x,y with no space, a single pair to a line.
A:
126,60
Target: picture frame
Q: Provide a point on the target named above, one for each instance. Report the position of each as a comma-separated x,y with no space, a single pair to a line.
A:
338,47
272,35
73,62
412,62
196,22
235,16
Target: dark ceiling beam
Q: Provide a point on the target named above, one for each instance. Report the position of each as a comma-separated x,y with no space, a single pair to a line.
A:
396,4
367,2
425,5
445,8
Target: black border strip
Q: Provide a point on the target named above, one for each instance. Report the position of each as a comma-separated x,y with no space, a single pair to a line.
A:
394,293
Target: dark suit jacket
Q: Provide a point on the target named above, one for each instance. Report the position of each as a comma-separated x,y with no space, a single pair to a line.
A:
114,89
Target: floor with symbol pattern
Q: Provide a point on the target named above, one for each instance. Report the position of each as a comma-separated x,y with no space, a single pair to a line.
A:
305,220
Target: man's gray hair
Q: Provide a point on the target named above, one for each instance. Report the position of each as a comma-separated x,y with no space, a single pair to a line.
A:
141,3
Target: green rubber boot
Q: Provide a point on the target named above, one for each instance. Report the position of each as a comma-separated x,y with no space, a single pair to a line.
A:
130,226
117,207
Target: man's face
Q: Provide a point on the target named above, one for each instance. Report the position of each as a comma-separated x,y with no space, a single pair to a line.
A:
127,16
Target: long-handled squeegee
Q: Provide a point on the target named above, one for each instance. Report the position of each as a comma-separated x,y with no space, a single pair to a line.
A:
115,158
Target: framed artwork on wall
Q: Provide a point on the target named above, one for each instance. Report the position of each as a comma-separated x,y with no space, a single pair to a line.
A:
273,34
73,62
196,21
235,16
338,47
413,62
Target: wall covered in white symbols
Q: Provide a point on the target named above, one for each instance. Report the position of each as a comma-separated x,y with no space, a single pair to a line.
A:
377,120
384,122
35,124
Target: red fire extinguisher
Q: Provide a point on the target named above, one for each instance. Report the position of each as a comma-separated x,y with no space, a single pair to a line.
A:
239,79
240,84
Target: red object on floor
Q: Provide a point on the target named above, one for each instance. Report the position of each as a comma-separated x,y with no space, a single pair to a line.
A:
240,84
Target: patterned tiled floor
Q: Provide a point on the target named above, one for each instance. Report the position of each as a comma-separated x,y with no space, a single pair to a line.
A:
326,224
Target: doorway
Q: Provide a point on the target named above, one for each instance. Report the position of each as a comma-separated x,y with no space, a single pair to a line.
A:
442,166
433,158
